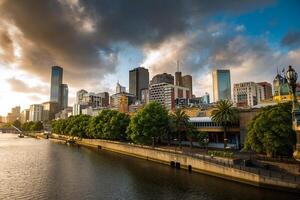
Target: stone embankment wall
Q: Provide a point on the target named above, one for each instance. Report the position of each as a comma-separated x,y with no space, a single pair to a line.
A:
192,163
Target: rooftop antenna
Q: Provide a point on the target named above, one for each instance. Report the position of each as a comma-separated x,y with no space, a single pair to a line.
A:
178,65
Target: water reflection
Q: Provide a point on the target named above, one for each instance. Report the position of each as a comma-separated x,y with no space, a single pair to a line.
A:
40,169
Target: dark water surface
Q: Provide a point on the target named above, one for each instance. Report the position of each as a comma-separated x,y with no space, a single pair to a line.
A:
41,169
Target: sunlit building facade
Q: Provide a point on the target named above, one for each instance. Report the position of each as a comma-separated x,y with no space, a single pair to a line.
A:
221,84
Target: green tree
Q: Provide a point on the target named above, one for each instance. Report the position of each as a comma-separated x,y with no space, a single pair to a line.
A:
37,126
149,123
225,115
27,126
181,123
271,131
203,139
109,124
192,134
17,124
77,125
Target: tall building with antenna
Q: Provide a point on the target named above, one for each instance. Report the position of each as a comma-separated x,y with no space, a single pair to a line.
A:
178,76
183,81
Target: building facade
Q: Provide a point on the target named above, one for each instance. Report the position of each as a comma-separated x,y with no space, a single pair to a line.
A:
168,95
120,88
281,89
64,96
121,101
56,82
187,81
138,80
79,96
247,94
221,84
267,87
162,78
49,110
13,115
24,116
36,112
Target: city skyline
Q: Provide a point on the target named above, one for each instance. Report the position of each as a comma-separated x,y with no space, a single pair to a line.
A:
219,38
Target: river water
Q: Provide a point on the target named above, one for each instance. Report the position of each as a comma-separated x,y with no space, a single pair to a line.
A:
43,169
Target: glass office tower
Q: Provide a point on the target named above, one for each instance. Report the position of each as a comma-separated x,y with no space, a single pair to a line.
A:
221,85
64,96
56,82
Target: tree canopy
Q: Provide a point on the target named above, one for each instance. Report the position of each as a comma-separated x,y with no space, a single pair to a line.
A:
271,131
109,124
32,126
150,122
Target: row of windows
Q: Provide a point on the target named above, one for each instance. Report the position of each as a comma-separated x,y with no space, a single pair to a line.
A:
205,124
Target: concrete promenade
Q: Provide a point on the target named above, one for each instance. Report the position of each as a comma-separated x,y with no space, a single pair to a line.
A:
205,165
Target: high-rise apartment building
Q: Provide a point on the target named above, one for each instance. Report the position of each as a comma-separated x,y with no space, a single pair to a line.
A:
36,112
267,87
138,80
247,94
187,81
221,84
162,78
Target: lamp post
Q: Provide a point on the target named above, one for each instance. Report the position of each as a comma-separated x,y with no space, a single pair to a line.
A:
291,77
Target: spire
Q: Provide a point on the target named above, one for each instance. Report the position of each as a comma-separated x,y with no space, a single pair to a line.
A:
178,65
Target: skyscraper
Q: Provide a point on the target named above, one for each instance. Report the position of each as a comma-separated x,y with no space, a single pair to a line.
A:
187,81
178,76
221,84
64,96
56,82
138,80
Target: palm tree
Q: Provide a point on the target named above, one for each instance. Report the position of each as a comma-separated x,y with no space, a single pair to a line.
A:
181,123
225,115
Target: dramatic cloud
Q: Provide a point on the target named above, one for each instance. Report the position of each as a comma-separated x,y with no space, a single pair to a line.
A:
291,39
82,36
17,85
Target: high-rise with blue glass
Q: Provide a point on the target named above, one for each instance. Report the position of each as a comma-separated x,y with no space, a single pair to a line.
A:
221,84
59,91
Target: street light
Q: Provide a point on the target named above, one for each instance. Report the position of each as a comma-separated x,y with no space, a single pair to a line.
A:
291,77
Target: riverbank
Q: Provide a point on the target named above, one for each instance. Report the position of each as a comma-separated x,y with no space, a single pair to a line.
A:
203,165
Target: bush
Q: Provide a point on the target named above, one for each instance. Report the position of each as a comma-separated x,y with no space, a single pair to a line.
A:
221,154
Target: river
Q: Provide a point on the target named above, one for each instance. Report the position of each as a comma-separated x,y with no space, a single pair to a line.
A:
43,169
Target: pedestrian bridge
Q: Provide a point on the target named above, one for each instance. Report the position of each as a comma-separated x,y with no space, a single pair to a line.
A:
10,129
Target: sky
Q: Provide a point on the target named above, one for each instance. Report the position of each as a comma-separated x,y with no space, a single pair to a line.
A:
98,41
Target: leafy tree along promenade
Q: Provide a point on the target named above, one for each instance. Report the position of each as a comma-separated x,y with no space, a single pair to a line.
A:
271,131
